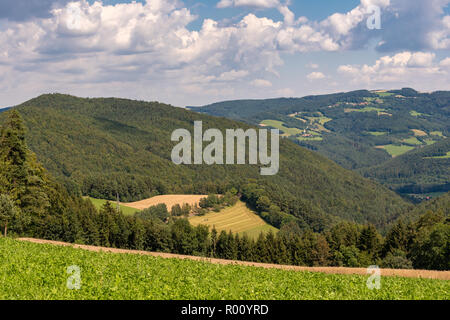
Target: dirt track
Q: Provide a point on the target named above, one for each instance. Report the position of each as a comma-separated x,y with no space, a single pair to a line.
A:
442,275
168,200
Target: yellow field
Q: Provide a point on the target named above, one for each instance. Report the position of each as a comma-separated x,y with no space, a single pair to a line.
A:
419,133
168,200
237,219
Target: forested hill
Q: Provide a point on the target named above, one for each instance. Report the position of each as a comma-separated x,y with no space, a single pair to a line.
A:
358,129
102,146
420,171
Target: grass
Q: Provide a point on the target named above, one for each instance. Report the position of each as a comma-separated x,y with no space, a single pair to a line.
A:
395,150
237,219
376,133
98,203
384,94
412,141
321,119
368,109
280,125
309,138
417,114
31,271
437,133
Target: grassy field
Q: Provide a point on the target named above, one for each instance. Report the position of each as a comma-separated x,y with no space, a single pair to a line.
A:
309,138
238,219
98,203
412,141
416,114
437,133
37,271
377,133
280,125
367,109
384,94
394,150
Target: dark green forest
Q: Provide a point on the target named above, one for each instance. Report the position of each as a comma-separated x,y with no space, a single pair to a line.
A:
33,204
358,126
100,147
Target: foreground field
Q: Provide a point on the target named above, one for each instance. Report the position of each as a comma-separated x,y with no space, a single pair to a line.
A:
168,200
39,271
237,219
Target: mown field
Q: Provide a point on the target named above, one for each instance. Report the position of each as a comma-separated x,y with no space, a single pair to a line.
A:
37,271
237,219
98,203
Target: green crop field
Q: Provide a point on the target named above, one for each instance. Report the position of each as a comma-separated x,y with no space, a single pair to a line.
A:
98,203
418,114
366,109
412,141
395,151
309,138
37,271
437,133
376,133
384,94
237,219
280,125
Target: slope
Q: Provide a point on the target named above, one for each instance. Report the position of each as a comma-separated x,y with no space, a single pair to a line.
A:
420,171
356,129
102,146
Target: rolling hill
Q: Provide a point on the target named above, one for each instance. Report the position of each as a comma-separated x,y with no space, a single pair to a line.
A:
98,147
421,171
357,130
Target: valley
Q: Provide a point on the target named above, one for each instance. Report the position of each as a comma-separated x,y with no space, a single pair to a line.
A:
358,130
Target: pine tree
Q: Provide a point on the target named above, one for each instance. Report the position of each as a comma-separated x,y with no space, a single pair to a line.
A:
7,212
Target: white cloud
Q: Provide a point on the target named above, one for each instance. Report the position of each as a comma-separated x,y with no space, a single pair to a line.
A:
261,83
149,51
408,68
312,65
248,3
315,76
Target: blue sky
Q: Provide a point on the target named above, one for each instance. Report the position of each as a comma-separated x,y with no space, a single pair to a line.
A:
196,52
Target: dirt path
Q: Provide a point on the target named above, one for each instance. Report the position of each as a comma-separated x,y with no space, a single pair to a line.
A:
442,275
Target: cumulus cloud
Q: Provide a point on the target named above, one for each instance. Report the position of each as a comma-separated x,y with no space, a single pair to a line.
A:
148,50
261,83
249,3
409,68
315,76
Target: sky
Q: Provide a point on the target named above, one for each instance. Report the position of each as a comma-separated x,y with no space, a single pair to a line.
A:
196,52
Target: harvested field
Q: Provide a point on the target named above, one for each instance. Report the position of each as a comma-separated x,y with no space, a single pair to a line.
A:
237,219
168,200
419,133
408,273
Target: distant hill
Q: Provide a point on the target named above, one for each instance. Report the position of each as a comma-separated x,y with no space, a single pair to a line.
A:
423,170
98,147
4,109
359,129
